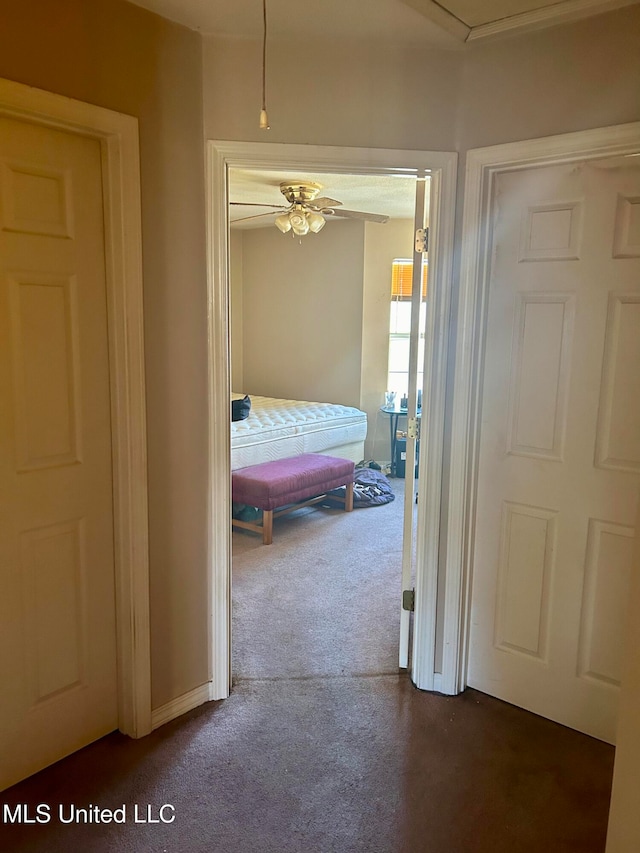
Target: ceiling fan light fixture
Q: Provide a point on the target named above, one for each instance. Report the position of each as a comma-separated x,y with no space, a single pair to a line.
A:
299,224
282,222
298,219
307,212
316,222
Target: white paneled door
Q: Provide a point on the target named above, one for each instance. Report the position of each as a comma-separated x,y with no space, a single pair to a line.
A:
559,459
57,608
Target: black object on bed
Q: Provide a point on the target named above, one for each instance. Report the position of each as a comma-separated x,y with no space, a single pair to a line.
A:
240,408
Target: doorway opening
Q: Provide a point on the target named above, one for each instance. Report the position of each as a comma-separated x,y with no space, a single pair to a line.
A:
222,156
315,330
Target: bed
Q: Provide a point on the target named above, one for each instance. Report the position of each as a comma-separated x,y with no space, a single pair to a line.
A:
278,429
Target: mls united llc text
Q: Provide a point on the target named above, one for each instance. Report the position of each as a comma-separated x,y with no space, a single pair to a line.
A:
24,813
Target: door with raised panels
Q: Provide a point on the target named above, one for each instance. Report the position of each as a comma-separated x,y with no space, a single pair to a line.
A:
57,607
559,458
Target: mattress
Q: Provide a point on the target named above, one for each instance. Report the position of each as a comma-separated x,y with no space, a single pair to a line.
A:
276,429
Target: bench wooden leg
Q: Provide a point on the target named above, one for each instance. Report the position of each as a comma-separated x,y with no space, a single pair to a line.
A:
348,498
267,526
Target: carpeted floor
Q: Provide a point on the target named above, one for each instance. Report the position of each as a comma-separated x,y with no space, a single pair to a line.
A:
323,747
323,599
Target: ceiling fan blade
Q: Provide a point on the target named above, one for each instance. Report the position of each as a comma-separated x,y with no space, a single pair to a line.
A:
359,214
255,216
254,204
324,202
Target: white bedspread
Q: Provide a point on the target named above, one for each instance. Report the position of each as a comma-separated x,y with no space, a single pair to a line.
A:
276,429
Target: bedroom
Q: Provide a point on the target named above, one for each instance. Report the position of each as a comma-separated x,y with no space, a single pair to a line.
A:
310,317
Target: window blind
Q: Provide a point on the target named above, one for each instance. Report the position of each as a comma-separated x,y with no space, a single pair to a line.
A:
401,273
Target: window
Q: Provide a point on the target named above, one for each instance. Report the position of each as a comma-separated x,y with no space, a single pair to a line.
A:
400,327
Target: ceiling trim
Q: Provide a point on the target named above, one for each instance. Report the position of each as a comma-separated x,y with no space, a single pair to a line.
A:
562,12
558,13
439,15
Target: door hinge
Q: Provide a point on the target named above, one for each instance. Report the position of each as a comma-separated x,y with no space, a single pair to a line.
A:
412,428
422,240
409,599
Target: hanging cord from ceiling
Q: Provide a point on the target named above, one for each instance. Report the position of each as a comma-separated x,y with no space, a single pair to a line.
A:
264,119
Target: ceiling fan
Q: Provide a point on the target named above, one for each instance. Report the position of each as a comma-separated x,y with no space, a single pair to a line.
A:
306,211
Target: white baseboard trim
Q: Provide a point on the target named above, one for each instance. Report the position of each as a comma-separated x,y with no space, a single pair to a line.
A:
180,705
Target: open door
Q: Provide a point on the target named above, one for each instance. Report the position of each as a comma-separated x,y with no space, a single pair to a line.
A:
413,415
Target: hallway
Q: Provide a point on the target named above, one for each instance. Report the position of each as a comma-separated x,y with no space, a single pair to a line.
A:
323,747
335,764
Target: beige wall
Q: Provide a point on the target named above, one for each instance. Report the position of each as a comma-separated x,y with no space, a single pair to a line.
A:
347,93
566,78
302,313
572,77
118,56
346,275
382,243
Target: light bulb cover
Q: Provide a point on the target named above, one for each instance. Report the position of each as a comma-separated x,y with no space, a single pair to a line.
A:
316,222
283,223
297,217
299,223
264,120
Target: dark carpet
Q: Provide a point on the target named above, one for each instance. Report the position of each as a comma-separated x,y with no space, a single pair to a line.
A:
323,746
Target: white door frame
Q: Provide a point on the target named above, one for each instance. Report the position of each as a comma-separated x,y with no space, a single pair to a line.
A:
483,165
118,138
256,155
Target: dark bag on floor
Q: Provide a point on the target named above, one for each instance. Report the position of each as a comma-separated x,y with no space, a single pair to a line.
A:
240,408
371,488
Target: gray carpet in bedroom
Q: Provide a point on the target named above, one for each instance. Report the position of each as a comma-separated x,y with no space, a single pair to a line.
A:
323,599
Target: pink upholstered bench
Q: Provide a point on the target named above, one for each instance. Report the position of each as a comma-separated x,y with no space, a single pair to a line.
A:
289,484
